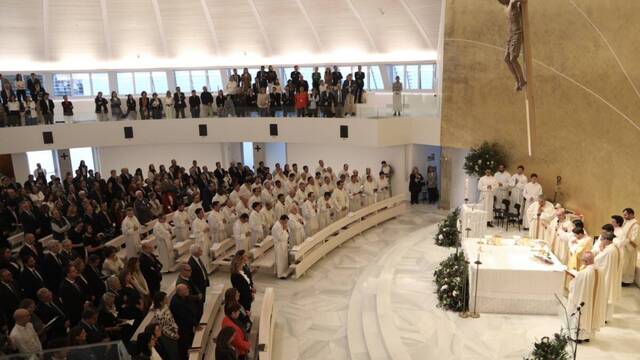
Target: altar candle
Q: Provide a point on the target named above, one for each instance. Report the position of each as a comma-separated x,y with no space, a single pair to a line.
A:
466,188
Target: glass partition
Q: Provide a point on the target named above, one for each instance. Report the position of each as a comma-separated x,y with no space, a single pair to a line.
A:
103,351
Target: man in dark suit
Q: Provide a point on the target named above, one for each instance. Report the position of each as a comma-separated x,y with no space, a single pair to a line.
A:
179,103
10,295
359,77
50,308
336,76
30,278
295,76
199,276
28,219
53,266
184,278
72,296
29,248
187,317
89,323
150,267
94,279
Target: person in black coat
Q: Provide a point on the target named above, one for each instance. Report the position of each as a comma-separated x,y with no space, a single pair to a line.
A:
179,103
194,104
53,266
72,296
8,262
46,108
241,282
94,280
186,314
50,308
150,267
30,279
29,220
224,348
184,278
199,275
416,182
30,248
10,295
89,323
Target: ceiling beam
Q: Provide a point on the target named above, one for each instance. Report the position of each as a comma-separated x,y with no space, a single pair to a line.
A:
261,26
212,28
105,26
417,23
45,29
364,27
308,18
163,36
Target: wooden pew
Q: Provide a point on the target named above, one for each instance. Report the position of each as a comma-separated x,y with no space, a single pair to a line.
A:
202,341
267,326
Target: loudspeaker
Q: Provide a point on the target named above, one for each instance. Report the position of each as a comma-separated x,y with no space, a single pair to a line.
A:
273,129
47,137
128,132
344,131
202,129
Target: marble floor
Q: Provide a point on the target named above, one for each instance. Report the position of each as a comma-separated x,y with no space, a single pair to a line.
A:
373,298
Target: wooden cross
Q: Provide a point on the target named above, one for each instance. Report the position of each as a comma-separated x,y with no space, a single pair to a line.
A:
529,89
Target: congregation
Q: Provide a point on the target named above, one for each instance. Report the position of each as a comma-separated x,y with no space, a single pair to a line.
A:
599,265
328,94
75,288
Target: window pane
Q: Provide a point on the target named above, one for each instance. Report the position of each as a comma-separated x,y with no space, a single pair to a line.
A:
160,84
182,80
79,154
344,70
81,84
61,84
398,70
412,77
125,83
426,76
306,73
198,80
100,82
375,78
143,82
215,81
44,158
247,154
253,73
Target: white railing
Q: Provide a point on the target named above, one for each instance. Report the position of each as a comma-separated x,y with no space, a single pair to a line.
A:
267,326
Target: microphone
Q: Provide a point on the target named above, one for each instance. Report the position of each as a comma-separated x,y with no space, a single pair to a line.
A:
578,308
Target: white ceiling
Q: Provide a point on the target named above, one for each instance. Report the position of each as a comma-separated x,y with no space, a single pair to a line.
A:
56,32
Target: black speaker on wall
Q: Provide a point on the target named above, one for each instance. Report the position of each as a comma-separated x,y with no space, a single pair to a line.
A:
344,131
202,129
47,137
273,129
128,132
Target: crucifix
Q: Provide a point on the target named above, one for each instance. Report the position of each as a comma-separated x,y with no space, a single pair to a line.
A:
64,156
519,37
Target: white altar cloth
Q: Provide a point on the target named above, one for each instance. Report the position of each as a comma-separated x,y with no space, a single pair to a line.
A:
512,280
473,217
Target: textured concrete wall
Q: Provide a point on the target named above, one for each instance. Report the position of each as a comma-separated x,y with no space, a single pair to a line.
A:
586,74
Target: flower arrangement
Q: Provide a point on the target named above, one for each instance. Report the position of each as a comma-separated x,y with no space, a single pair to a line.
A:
448,234
551,348
486,156
451,278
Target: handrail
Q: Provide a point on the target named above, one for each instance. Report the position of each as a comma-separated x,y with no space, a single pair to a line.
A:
267,325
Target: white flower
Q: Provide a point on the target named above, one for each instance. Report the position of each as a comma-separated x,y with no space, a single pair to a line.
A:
444,287
440,237
454,293
480,161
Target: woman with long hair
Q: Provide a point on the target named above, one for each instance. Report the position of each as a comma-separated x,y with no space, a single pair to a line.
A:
116,106
224,344
168,339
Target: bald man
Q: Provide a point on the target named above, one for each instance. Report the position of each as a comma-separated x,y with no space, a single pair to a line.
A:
587,294
23,335
185,313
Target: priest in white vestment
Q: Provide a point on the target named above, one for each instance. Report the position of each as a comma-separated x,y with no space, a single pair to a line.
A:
530,193
230,217
296,227
268,217
370,191
578,245
195,205
216,223
131,231
608,259
539,214
310,215
256,225
201,231
280,208
516,186
325,210
164,241
242,233
487,186
181,222
341,200
586,291
630,242
280,233
383,187
354,190
502,191
560,229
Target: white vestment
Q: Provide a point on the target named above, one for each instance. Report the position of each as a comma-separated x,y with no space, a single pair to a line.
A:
181,222
279,209
164,241
516,184
191,210
234,197
502,191
231,216
370,191
240,230
131,231
383,188
241,208
280,248
609,261
256,226
487,186
630,242
561,233
530,193
325,208
200,229
587,287
537,230
296,230
341,202
216,226
310,217
268,218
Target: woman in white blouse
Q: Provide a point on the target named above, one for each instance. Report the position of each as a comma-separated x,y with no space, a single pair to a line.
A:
168,106
36,196
112,264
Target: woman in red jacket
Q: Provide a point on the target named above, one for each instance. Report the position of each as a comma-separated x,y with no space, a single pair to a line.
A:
302,101
240,341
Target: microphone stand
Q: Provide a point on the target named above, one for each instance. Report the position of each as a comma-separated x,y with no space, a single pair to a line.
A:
475,313
577,339
465,292
537,226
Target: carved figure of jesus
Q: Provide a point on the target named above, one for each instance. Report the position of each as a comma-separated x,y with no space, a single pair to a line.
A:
514,42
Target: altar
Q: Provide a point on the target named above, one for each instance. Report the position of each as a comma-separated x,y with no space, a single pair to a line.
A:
515,277
473,216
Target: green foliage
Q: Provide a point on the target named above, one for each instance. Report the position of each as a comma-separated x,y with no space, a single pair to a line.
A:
486,156
450,278
551,348
448,234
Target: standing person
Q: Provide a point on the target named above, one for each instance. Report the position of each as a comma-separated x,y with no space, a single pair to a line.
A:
46,108
194,104
220,100
242,283
263,102
207,102
348,89
67,110
531,191
502,191
131,231
163,233
13,105
584,293
163,317
629,245
23,336
116,106
131,114
487,186
72,296
432,185
280,232
30,112
516,185
415,185
397,97
150,267
336,76
156,107
224,344
240,341
145,106
186,314
168,105
295,76
301,101
21,92
314,103
179,103
359,77
101,107
316,77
